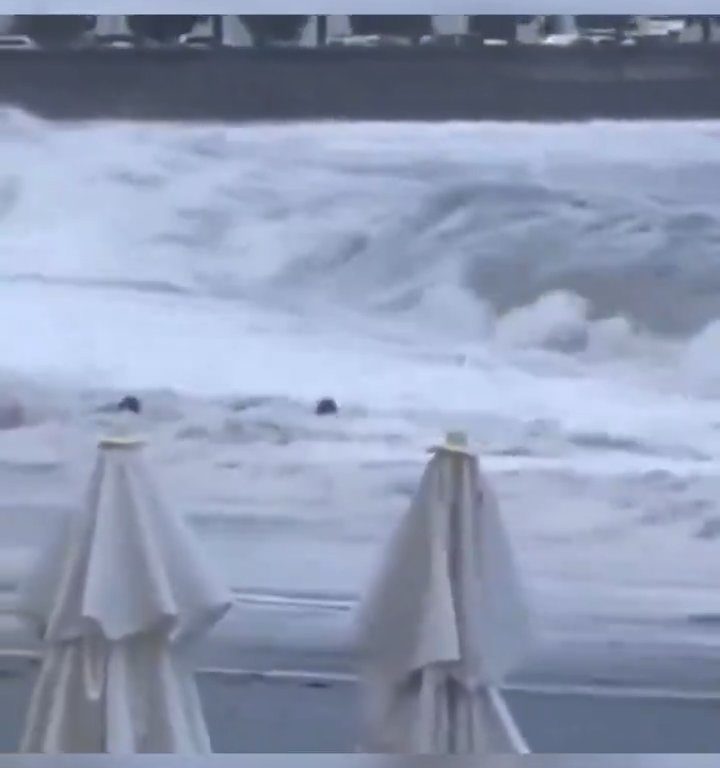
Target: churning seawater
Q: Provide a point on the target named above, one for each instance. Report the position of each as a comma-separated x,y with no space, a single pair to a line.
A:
554,290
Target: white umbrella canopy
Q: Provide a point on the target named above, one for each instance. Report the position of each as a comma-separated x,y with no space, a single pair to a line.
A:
445,620
118,601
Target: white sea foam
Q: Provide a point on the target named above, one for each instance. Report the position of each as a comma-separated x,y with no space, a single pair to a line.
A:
552,289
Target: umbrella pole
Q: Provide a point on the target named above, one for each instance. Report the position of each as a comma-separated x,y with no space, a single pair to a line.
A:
508,722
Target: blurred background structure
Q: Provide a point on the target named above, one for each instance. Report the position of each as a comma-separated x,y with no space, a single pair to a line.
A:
60,31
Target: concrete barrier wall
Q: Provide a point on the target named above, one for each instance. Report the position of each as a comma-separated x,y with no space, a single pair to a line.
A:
523,82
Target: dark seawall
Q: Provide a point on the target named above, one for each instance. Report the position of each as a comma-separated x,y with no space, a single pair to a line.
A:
502,83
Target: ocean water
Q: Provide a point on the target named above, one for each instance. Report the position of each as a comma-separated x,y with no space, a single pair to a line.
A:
552,290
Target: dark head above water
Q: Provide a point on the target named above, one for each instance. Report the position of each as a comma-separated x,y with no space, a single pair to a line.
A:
130,403
326,406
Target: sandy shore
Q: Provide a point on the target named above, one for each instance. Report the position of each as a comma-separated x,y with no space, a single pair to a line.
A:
298,694
244,714
252,712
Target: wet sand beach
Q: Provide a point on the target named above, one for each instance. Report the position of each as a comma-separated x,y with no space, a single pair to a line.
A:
250,712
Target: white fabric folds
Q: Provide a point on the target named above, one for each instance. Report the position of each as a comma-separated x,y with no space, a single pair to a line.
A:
118,602
444,621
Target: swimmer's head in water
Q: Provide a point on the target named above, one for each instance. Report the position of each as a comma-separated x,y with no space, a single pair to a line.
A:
130,403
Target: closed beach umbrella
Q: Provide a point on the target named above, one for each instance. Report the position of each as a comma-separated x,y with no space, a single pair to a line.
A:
445,620
118,603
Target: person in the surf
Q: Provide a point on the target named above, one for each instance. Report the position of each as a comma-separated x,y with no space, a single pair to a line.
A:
130,403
